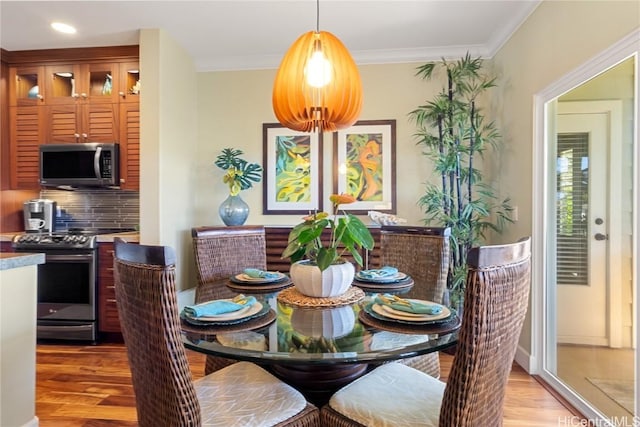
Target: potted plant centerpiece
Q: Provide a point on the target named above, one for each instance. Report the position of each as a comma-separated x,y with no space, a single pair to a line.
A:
318,268
240,176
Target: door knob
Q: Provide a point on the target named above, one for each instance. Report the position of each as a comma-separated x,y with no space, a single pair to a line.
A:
600,236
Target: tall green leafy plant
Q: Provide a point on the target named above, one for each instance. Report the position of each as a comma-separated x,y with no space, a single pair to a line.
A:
453,132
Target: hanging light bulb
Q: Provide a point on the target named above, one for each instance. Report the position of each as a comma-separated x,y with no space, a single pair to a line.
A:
317,86
318,70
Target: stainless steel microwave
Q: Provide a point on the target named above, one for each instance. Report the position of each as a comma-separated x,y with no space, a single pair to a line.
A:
80,164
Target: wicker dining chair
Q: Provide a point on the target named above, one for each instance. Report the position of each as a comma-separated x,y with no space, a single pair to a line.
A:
496,296
165,392
423,253
221,252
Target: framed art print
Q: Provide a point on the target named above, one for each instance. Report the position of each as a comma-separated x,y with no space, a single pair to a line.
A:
364,157
292,163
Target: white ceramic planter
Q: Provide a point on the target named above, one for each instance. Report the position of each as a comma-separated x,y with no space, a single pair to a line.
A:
328,322
312,282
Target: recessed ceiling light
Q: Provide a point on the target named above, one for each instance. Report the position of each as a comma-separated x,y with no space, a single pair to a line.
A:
63,28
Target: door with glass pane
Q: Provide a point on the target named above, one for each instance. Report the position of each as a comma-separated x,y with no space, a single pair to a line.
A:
582,223
589,281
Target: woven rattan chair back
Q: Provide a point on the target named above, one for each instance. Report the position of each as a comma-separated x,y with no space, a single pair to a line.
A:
424,254
496,297
148,310
421,252
221,252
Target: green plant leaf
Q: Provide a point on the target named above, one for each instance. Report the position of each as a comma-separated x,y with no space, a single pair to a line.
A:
326,257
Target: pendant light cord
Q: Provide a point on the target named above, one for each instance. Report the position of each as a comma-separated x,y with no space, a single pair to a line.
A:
317,16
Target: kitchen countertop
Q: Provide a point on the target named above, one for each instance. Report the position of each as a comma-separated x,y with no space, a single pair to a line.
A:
7,237
9,260
131,237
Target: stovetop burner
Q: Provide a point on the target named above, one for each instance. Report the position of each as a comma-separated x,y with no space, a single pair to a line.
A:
74,238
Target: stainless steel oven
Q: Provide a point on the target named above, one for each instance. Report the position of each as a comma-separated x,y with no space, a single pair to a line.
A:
67,308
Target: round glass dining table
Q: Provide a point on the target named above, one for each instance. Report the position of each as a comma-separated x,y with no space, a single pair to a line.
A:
321,347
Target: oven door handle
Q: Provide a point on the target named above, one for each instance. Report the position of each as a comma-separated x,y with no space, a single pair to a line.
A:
68,257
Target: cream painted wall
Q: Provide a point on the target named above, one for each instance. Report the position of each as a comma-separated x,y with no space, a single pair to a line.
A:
168,148
557,38
232,107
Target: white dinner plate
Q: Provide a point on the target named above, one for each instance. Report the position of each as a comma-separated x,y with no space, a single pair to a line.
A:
389,312
234,315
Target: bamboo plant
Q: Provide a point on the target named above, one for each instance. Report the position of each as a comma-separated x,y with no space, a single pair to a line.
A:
453,132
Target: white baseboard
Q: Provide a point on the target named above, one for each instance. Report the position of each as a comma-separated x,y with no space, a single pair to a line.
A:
525,360
33,422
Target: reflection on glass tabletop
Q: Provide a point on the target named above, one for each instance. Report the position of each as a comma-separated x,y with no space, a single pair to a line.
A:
323,335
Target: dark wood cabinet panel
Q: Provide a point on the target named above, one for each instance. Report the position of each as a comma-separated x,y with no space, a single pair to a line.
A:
6,247
108,320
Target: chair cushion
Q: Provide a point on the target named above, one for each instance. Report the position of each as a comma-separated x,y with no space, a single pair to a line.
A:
244,394
391,395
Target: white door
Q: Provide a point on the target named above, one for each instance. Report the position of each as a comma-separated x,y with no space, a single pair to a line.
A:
584,190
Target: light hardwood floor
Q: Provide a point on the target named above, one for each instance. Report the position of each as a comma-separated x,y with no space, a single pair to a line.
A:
90,386
578,364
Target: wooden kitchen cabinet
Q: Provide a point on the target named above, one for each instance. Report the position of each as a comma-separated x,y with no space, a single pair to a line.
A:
26,86
81,96
76,83
129,90
6,247
108,321
26,133
130,146
82,123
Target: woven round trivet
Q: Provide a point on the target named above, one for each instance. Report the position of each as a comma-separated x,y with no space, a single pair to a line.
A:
255,323
294,297
436,328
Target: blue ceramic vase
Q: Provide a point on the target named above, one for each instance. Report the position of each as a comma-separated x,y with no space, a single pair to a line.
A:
233,211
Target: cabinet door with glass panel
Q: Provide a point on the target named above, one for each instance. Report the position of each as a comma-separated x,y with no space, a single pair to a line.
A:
80,83
129,90
26,86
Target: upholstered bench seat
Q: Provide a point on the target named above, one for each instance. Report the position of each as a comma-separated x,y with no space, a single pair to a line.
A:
370,400
244,394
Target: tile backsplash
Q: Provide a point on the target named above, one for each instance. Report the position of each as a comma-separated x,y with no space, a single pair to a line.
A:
95,208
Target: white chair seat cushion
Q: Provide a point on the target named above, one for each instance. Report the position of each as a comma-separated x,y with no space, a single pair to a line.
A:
244,394
391,395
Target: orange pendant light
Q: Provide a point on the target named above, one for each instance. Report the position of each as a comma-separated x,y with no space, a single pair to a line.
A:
318,86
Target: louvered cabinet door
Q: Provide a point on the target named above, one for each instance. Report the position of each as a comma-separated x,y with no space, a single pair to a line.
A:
82,123
63,124
130,146
99,122
26,136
